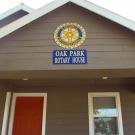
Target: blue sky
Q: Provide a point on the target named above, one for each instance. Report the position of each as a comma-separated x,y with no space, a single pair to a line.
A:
124,8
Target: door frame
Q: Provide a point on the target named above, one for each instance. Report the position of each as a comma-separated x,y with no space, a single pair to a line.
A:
6,113
15,95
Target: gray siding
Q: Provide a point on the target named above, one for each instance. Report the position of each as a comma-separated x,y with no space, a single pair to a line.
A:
67,107
109,45
12,18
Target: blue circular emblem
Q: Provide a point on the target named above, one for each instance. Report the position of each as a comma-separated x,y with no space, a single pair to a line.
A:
70,35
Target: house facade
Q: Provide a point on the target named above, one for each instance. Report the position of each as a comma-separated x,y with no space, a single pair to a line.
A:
68,68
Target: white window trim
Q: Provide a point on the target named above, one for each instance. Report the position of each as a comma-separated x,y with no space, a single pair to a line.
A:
91,114
15,95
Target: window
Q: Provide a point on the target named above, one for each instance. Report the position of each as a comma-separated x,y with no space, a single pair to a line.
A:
105,114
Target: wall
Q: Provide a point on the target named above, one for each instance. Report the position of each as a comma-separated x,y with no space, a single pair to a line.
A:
109,45
67,107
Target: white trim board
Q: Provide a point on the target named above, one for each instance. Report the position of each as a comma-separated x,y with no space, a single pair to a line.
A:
16,9
58,3
15,95
6,114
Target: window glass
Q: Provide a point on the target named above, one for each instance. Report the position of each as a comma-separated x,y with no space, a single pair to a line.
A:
104,106
105,126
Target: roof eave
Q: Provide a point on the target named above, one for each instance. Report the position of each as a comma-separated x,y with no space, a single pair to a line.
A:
16,9
105,13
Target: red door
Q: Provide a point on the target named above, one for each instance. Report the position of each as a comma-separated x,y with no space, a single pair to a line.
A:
28,116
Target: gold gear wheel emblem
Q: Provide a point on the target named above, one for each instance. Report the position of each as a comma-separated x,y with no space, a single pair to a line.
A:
70,35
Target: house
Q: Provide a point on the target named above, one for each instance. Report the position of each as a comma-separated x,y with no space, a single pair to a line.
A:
68,68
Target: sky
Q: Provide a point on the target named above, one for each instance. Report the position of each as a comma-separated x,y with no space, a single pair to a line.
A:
125,8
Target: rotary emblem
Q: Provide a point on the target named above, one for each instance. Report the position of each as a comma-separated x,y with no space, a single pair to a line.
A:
69,35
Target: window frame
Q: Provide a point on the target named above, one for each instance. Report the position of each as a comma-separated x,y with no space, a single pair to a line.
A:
91,112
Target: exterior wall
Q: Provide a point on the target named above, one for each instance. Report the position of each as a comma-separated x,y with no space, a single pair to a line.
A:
109,45
12,18
67,107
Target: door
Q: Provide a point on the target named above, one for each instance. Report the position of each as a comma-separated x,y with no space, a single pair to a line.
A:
28,114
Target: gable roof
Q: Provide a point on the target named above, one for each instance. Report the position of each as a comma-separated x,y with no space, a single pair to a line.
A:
16,9
58,3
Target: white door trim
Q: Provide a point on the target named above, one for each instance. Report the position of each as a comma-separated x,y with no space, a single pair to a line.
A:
6,114
15,95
